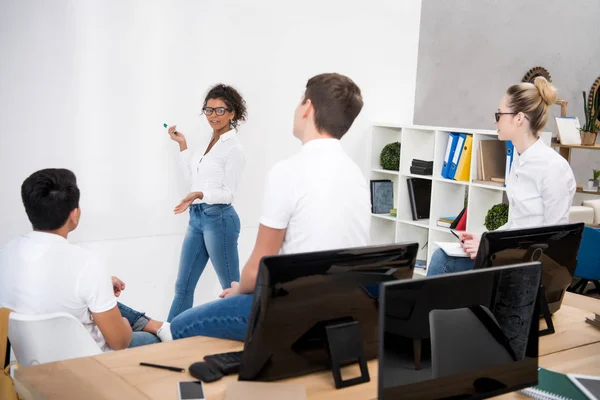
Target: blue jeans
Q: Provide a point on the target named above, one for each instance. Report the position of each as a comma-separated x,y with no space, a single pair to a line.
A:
213,232
441,263
138,321
224,319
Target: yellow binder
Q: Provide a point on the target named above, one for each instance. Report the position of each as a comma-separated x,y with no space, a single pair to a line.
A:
463,170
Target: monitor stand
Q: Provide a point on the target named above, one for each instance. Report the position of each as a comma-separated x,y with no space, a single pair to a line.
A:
543,301
345,346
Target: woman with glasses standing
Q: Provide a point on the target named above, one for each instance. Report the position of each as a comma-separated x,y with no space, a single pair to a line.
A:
540,186
214,172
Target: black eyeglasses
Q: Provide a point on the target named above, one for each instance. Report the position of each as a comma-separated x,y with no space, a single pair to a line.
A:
498,114
218,110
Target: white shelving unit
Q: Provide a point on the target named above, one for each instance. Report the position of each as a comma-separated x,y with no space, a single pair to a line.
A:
447,196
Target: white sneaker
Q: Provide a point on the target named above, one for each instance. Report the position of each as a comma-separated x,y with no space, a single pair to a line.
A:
164,332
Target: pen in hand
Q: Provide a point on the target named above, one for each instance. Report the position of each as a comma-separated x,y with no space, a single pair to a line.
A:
176,369
455,234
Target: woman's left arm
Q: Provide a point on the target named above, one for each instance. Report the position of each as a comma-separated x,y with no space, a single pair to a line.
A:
234,166
558,189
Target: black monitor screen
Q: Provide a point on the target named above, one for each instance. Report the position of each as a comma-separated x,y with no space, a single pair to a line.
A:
298,296
556,247
465,335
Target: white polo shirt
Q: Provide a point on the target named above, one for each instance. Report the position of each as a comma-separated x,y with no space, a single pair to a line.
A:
217,174
540,188
321,197
43,273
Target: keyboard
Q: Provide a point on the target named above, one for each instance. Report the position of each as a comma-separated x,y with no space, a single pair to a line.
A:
228,363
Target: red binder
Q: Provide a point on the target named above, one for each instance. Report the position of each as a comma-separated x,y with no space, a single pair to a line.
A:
462,222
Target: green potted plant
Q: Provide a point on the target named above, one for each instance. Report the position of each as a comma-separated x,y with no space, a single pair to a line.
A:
390,157
594,183
496,217
589,131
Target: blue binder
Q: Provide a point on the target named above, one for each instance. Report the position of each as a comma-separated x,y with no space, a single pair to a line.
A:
509,159
460,143
449,154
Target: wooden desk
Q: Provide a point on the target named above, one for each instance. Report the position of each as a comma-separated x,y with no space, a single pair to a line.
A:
582,360
573,348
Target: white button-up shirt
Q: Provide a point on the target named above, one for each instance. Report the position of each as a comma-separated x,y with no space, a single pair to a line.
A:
218,173
540,188
321,197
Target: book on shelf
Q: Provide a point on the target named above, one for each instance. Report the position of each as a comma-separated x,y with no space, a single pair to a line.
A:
463,169
450,149
421,170
509,158
422,163
419,196
460,223
479,164
382,196
493,159
445,222
421,167
489,183
460,142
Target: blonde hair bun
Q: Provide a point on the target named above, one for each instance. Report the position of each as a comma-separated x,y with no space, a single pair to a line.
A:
547,91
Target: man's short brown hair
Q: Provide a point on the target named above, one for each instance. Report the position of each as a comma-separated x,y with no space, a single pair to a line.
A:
336,100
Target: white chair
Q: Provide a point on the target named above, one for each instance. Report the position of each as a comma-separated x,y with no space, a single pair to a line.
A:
581,214
39,339
595,205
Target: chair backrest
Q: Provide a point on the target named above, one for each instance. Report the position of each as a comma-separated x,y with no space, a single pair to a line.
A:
588,258
460,343
39,339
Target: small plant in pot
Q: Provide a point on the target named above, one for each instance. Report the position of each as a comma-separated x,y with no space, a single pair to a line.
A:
390,157
496,217
594,183
589,131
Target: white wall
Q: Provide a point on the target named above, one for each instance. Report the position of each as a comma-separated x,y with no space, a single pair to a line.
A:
468,57
86,85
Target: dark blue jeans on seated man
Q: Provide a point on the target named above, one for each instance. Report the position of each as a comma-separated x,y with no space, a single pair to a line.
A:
138,321
223,318
441,263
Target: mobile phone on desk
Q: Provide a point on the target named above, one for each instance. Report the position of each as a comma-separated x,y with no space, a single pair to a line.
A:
191,390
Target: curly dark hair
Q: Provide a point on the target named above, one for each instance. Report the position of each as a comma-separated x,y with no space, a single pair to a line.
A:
232,99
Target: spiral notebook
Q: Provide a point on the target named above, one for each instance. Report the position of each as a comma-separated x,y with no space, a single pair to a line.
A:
553,386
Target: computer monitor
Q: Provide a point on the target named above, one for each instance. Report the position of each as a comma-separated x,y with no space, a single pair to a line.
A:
298,296
466,335
556,247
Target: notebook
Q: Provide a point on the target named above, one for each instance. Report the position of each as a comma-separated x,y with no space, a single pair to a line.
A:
553,386
452,249
419,195
382,196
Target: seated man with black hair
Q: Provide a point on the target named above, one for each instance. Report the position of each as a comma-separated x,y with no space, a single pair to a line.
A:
41,272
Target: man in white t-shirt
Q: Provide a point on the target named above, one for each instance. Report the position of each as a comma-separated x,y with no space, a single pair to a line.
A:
41,272
316,200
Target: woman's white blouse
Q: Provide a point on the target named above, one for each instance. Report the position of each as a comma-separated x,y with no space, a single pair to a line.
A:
540,188
218,173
